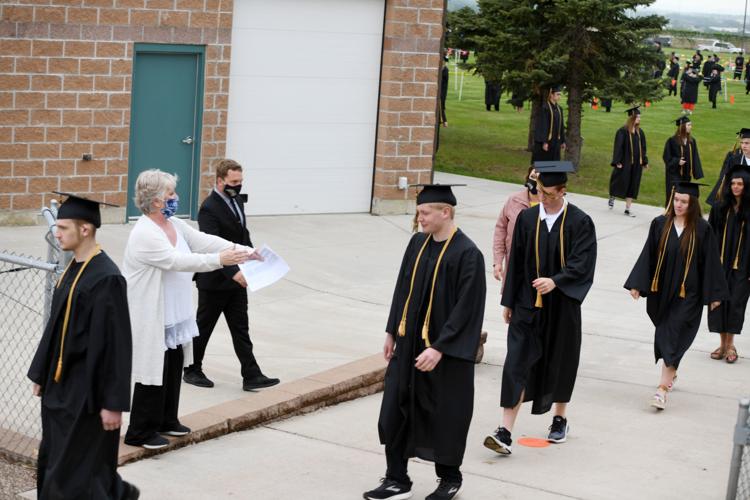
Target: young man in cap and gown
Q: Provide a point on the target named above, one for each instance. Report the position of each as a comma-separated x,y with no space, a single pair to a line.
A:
431,341
628,161
678,271
550,271
81,368
549,128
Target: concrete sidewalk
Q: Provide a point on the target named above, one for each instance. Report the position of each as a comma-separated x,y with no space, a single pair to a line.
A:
331,309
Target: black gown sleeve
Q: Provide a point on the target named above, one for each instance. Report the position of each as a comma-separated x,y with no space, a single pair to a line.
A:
110,350
697,167
711,199
618,152
671,157
459,335
515,274
394,317
38,370
715,286
576,278
644,151
541,126
642,272
562,125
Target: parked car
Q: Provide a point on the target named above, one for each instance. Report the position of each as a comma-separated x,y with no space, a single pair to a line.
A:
717,46
664,40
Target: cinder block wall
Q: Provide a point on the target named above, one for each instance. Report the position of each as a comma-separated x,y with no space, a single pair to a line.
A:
65,80
408,101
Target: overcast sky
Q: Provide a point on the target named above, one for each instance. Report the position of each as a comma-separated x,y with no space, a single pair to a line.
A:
735,7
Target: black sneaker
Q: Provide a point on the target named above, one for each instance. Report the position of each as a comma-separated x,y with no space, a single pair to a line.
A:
628,213
196,378
176,430
388,489
445,491
558,431
259,382
611,203
155,442
499,442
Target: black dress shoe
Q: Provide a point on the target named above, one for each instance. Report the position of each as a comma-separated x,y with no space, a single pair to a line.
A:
196,378
259,382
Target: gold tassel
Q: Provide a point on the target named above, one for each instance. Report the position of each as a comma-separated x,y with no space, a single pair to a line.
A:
536,255
682,291
655,284
669,202
426,325
689,260
402,325
402,328
736,264
426,334
539,303
58,371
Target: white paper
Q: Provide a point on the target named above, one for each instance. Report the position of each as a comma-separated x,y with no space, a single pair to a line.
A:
261,274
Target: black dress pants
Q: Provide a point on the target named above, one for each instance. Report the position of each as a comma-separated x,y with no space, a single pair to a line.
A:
233,304
397,467
155,407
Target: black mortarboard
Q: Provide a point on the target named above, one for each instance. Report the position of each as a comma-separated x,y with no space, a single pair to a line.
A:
556,88
681,120
739,170
79,207
744,133
436,193
553,173
636,110
691,188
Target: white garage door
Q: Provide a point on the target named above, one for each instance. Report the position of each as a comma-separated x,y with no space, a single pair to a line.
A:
303,102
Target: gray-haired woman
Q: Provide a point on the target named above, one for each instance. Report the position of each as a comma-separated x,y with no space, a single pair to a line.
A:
161,256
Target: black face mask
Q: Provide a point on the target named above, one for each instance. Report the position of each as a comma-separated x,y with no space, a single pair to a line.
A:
233,191
531,186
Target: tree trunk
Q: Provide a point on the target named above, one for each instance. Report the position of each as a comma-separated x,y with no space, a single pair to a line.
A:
536,106
573,139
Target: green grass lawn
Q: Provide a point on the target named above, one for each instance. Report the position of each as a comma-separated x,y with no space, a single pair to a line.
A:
492,144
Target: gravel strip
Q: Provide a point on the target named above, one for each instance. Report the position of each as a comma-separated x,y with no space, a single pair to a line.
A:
14,479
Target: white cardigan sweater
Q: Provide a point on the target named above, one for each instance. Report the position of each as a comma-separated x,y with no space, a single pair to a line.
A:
148,254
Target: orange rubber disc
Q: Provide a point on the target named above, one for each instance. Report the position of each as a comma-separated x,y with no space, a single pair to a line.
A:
533,442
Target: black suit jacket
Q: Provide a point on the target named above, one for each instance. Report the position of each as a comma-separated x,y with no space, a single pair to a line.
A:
215,217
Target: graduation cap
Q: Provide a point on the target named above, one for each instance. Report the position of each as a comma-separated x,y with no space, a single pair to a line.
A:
691,188
436,193
556,88
553,173
744,133
82,208
681,120
634,110
738,170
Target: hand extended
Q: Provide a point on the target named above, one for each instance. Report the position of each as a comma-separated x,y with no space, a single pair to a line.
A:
36,390
428,360
111,420
507,314
713,305
682,161
388,346
232,257
240,279
635,294
543,285
497,271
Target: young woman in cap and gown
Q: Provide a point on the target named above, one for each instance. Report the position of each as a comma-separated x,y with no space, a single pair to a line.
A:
431,341
628,161
730,220
678,271
550,272
549,128
738,155
681,159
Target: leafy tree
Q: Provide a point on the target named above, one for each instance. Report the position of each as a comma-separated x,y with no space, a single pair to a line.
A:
461,27
593,47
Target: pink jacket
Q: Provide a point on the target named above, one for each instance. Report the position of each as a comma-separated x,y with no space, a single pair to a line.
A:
506,222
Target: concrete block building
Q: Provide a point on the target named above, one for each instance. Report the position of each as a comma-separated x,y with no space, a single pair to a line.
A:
325,102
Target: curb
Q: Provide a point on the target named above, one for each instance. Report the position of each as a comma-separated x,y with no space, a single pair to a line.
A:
343,383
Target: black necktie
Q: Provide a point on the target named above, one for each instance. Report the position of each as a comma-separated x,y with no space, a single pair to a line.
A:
236,210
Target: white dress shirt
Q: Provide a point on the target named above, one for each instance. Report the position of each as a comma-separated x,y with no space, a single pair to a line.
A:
550,219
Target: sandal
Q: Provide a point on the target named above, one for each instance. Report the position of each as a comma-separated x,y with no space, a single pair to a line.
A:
731,354
671,384
719,353
659,401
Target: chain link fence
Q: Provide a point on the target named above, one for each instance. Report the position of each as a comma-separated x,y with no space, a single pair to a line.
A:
739,469
26,287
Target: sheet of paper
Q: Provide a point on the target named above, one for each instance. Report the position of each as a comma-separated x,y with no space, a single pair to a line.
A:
261,274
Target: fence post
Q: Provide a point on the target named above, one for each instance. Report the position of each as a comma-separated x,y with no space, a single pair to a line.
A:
741,433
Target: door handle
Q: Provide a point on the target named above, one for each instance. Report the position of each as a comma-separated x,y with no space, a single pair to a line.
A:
187,140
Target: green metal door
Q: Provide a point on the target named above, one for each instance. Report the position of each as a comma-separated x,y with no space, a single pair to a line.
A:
165,119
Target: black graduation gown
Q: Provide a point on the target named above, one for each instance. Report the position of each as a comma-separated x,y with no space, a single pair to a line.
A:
544,345
730,315
630,152
732,158
427,414
77,457
492,91
549,128
677,319
739,63
690,88
692,169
